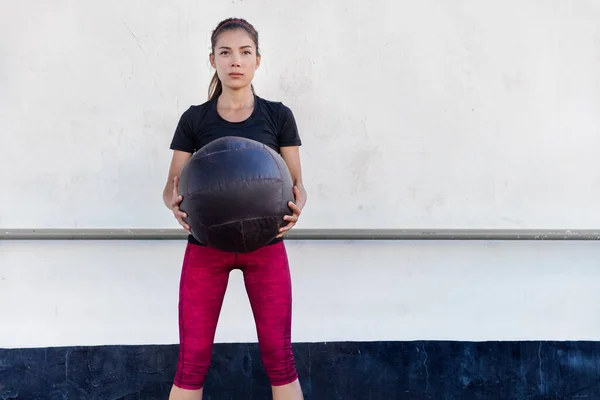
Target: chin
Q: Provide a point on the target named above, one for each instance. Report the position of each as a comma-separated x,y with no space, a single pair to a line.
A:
236,85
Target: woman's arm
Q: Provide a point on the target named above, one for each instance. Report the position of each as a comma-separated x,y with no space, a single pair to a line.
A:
171,196
291,156
177,162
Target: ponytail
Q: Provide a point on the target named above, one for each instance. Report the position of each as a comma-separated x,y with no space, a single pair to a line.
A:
215,88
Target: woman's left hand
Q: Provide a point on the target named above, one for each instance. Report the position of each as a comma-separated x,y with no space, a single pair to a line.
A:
296,207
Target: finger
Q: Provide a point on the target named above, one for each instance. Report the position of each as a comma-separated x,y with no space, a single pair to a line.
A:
287,227
184,225
283,231
180,218
293,218
175,184
297,194
179,215
176,202
294,208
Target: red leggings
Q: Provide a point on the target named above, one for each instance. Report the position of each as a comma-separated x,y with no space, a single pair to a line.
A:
204,280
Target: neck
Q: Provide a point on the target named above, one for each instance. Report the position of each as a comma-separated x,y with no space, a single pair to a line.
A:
240,98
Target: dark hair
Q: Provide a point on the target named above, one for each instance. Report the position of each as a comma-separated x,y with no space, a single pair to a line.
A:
216,88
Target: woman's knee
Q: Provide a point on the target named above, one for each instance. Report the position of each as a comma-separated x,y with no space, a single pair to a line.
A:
193,364
279,364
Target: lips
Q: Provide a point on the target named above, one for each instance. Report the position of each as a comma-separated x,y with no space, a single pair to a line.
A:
236,74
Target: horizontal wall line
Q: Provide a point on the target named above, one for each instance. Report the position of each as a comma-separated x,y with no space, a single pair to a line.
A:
312,234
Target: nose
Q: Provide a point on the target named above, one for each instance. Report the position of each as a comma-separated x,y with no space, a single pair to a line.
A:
235,60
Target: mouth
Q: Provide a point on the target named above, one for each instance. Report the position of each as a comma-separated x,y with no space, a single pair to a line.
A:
236,74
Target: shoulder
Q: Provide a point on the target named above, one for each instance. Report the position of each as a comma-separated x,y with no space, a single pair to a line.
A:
285,123
196,112
276,109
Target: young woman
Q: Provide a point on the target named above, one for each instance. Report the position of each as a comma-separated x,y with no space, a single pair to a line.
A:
233,108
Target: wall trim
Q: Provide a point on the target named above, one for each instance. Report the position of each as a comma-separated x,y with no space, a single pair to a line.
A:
312,234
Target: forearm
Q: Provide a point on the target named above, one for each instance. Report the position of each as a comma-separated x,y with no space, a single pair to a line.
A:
303,194
301,187
167,195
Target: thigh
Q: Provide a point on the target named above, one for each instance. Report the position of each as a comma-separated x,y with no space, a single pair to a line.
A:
268,283
204,279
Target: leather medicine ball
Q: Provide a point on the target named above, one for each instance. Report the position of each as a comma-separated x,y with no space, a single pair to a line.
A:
235,193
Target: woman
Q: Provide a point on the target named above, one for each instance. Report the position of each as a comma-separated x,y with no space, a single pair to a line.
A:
233,109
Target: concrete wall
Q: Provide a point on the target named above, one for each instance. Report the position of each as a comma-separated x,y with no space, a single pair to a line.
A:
425,114
104,293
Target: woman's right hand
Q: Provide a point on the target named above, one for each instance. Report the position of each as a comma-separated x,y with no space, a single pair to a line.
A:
179,215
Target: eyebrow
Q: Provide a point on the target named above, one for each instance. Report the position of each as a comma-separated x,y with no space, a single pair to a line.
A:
229,48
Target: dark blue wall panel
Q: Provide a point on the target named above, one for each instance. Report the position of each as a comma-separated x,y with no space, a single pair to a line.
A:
328,371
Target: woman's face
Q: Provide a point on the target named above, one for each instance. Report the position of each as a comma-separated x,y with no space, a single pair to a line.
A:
235,58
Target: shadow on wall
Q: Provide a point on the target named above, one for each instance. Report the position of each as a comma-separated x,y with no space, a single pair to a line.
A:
328,371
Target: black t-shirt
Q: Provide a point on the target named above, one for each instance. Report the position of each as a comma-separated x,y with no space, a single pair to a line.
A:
271,123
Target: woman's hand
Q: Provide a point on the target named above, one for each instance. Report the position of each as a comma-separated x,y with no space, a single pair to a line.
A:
296,207
177,199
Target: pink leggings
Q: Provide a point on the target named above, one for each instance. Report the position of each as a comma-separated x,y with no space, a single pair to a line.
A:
204,280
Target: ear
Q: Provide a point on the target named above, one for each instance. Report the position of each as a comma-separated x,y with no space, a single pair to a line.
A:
257,62
211,57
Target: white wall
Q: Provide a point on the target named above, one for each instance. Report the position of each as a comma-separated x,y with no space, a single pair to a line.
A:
86,293
428,114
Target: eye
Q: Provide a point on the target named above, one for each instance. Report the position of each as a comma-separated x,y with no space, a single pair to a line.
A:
224,52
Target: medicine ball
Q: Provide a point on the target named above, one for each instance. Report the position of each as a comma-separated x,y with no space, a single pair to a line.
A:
235,193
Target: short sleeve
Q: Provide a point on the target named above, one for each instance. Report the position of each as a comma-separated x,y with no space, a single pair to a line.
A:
183,138
288,130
